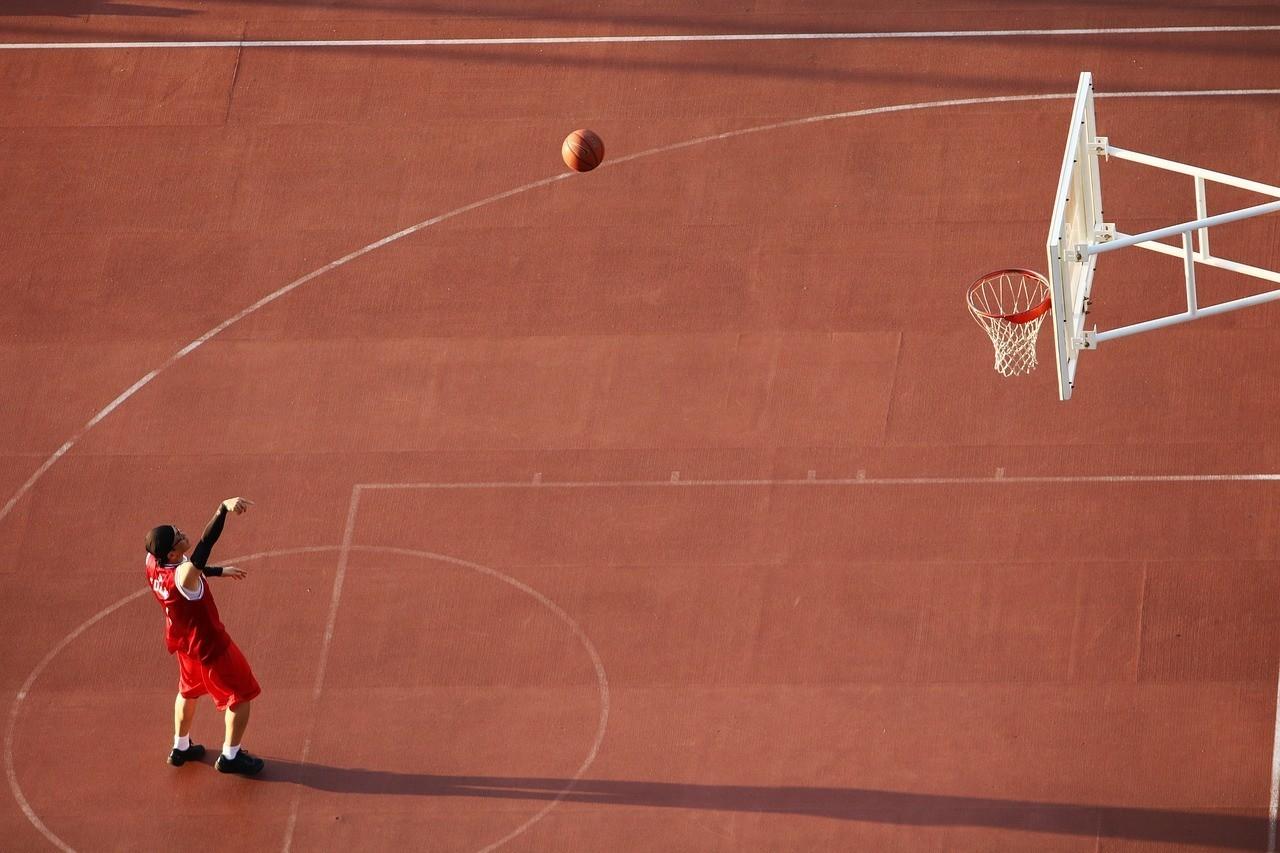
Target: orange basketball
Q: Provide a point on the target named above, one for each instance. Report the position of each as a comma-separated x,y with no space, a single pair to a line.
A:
583,150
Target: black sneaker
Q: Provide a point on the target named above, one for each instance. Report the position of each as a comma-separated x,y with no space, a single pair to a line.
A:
244,764
179,757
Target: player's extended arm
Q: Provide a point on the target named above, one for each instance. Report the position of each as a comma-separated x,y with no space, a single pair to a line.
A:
189,571
200,556
224,572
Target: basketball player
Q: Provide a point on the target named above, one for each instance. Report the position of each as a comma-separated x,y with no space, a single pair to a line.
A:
208,660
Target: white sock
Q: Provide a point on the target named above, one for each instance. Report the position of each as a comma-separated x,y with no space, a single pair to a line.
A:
183,743
230,752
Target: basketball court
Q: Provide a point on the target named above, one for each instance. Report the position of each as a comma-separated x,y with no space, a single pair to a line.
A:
672,505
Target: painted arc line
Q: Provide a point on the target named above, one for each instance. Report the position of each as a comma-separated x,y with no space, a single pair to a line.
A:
124,396
10,773
412,229
638,39
602,680
228,323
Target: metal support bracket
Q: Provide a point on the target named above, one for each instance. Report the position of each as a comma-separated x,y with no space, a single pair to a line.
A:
1088,340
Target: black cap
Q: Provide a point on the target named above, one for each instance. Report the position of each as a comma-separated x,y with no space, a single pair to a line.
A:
160,541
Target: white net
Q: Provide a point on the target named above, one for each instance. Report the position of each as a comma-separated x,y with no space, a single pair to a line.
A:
1011,305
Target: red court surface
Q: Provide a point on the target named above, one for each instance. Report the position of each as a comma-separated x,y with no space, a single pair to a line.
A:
669,507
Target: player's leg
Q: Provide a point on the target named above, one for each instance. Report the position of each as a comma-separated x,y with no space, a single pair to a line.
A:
234,759
184,711
190,687
233,686
237,718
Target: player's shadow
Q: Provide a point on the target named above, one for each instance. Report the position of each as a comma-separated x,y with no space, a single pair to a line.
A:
81,8
1207,829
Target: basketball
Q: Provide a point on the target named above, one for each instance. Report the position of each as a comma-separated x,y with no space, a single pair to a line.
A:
583,150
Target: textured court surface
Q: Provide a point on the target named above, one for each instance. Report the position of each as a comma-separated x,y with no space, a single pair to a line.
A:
674,506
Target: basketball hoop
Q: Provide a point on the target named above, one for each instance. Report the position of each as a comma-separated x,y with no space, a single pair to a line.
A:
1010,305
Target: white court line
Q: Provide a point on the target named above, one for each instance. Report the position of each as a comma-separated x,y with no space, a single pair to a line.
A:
271,297
264,301
639,39
602,681
339,577
676,482
344,554
602,678
1000,478
124,396
25,690
1275,778
344,557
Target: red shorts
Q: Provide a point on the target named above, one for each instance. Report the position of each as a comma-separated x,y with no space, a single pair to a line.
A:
227,678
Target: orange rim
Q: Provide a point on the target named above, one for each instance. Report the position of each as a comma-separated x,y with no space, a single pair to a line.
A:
1021,316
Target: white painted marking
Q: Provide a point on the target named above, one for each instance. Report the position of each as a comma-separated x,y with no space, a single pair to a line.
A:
40,472
638,39
602,682
812,475
1202,93
613,163
339,576
25,690
956,102
602,679
344,556
537,478
1275,778
860,480
291,824
261,303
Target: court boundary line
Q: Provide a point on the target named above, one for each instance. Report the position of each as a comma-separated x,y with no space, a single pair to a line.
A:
639,39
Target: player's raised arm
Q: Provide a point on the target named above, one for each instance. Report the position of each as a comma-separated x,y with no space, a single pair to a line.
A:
200,556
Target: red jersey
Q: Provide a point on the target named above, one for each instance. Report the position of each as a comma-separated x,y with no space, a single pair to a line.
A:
191,626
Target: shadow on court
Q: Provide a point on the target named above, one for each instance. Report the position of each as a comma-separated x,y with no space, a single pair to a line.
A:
1222,830
81,8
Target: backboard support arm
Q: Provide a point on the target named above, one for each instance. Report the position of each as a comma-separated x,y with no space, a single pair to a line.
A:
1077,236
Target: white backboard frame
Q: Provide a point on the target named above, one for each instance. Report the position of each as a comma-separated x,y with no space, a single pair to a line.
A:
1078,234
1077,219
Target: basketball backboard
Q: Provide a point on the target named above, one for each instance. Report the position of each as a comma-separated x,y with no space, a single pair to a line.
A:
1077,221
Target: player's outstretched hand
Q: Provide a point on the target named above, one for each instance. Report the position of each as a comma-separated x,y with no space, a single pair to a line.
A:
233,572
236,505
